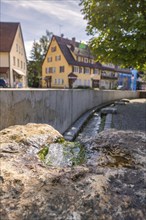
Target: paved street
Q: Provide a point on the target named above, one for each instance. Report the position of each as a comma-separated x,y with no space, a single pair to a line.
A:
131,116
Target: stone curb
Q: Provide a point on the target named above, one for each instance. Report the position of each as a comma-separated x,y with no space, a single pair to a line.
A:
73,131
108,121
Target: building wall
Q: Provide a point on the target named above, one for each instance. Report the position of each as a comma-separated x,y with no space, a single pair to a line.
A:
85,79
18,60
4,62
57,76
60,80
4,59
59,108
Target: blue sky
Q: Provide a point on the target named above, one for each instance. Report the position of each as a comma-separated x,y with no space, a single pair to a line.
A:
37,16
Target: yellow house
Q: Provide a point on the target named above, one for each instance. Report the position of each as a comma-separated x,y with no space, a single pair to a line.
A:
69,64
13,62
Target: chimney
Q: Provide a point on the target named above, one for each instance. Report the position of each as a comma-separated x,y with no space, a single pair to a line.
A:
73,41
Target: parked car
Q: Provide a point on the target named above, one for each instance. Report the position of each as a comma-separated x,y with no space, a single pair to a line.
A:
3,83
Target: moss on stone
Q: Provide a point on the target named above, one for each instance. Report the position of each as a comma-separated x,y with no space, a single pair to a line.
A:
43,152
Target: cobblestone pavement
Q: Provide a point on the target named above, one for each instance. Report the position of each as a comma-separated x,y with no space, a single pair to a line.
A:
131,116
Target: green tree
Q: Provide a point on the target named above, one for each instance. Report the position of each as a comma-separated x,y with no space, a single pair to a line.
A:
118,30
38,53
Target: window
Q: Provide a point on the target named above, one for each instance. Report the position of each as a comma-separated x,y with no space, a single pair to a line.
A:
58,57
87,70
95,71
49,59
18,62
53,49
58,81
80,82
14,61
75,69
61,69
79,59
51,70
86,60
80,69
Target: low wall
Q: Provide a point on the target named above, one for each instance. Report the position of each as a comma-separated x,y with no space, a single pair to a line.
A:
59,108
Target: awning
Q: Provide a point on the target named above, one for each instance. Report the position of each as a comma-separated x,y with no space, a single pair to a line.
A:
19,72
72,76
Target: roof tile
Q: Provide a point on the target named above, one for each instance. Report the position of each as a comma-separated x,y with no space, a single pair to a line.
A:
7,35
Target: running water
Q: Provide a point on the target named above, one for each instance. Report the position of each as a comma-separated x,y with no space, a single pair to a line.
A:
67,153
91,128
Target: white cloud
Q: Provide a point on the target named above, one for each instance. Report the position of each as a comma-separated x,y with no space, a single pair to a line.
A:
61,9
37,16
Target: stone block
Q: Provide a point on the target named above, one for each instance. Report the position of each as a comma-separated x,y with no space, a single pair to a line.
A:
108,110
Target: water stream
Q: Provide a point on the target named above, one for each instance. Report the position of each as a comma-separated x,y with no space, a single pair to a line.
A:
64,153
91,128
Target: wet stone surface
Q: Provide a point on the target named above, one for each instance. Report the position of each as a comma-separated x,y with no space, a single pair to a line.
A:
110,184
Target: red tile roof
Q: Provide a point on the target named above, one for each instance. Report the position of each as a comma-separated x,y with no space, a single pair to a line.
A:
7,35
67,46
64,46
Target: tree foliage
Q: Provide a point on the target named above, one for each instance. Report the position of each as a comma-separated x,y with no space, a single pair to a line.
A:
38,53
118,29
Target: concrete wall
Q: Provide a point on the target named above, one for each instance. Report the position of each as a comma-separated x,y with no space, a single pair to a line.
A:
59,108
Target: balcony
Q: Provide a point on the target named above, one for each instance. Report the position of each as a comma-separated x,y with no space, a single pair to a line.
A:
109,76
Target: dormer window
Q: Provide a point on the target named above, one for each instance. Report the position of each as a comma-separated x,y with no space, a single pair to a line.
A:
79,59
86,60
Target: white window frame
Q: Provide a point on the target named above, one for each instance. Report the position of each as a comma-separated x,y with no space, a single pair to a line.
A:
75,69
85,60
49,59
58,57
96,71
85,70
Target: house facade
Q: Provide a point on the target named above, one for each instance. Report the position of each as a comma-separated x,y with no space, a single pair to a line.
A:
13,61
69,64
